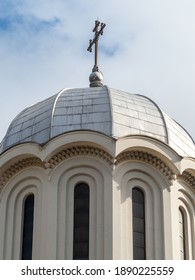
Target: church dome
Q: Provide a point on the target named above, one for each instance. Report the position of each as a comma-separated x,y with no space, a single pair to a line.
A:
109,111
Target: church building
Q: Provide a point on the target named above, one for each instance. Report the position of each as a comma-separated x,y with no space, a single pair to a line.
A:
96,173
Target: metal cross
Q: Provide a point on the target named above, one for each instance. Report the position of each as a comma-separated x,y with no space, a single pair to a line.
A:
98,29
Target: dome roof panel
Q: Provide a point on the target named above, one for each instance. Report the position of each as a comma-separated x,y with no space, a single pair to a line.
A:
178,137
102,109
81,109
32,124
136,114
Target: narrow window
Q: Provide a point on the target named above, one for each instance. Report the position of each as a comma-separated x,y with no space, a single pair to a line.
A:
28,217
139,251
182,235
81,222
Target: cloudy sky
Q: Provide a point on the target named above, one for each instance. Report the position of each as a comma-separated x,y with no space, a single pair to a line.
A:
148,48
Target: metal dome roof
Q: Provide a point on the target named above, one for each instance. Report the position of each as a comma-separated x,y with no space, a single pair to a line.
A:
112,112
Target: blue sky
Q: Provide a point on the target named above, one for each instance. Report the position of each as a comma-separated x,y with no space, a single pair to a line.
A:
148,48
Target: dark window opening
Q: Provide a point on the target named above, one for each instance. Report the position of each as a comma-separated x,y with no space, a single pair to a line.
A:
28,218
139,251
81,222
182,235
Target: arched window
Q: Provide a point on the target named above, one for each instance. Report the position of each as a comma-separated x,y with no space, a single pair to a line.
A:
81,222
139,250
28,218
182,234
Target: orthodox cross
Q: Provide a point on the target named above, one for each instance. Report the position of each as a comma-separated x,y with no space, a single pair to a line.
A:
98,29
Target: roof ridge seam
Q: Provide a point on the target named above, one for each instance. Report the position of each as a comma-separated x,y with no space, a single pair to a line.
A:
162,115
111,110
54,107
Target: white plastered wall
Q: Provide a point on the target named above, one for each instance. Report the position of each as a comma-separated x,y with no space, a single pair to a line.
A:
11,209
53,223
110,200
98,177
157,203
182,196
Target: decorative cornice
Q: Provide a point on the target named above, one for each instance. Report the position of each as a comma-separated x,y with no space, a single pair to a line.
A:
95,152
17,167
76,151
67,153
147,158
87,151
188,178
